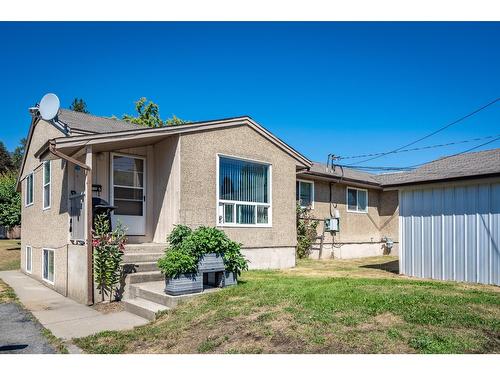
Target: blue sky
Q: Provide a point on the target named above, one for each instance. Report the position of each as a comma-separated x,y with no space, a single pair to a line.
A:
343,88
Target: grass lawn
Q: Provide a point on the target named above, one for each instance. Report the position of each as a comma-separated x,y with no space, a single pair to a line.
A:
10,254
332,306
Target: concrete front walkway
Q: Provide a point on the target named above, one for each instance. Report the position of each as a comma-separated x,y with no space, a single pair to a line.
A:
64,317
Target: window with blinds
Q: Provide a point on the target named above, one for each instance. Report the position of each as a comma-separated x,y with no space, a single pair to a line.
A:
244,197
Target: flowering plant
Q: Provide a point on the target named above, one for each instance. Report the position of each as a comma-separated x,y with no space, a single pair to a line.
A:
108,248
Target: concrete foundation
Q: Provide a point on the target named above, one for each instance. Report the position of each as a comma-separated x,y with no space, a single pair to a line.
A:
353,250
270,257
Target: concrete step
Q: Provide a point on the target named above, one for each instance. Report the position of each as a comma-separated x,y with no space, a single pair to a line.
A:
134,258
144,308
145,267
143,277
145,248
157,296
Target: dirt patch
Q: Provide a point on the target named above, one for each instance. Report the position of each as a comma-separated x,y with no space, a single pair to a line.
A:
109,307
381,322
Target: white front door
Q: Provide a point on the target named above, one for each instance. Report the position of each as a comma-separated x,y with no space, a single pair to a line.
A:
128,184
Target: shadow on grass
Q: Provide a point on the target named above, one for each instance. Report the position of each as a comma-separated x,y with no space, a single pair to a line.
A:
392,266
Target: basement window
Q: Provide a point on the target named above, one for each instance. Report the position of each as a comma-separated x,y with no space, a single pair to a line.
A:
357,200
48,265
244,192
29,259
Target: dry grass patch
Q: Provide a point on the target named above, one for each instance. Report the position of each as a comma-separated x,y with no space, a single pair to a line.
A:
10,255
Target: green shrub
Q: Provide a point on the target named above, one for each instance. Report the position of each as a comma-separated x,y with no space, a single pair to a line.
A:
186,247
306,232
177,261
178,234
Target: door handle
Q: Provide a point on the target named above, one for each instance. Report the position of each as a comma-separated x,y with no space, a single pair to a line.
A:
144,198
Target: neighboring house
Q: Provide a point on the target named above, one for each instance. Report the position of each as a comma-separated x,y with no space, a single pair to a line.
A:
233,174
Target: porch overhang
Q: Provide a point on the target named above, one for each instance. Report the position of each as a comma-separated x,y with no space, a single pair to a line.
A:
141,137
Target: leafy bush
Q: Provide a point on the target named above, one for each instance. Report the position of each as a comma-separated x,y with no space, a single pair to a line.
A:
108,253
10,200
177,261
186,247
178,234
306,232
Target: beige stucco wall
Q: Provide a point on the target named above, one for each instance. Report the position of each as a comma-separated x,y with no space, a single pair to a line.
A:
45,228
198,185
360,233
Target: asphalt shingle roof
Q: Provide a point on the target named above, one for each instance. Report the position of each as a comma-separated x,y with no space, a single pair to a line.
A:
93,124
451,167
349,173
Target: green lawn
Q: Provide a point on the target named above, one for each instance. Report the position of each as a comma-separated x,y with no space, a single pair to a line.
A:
10,254
334,306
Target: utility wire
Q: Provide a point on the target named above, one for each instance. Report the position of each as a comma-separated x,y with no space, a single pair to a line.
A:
420,148
428,135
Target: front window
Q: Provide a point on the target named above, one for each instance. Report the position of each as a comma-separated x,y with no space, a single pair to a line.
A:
48,265
357,200
244,192
46,184
305,193
29,189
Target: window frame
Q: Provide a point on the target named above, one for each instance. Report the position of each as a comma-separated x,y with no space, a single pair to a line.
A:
49,184
30,269
357,211
312,190
54,266
269,223
31,176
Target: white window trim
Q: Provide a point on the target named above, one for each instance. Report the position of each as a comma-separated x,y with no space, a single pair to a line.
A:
357,200
43,265
219,201
45,184
32,175
312,194
30,269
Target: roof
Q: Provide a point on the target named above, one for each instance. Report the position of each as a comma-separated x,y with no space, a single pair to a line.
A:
462,166
348,174
454,167
96,133
88,123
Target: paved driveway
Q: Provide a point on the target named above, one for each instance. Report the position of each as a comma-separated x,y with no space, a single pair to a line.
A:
19,333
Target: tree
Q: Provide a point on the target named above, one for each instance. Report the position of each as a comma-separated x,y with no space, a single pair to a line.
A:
148,115
5,159
17,155
10,200
79,105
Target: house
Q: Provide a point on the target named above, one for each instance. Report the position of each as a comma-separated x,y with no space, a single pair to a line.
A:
230,173
234,174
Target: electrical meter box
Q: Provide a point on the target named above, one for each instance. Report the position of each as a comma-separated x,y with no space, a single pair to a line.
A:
332,224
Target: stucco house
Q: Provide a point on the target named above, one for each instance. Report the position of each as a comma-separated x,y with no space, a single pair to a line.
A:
230,173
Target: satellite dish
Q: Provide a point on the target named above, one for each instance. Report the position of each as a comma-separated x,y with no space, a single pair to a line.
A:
49,106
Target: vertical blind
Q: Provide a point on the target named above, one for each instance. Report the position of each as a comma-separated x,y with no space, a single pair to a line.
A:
244,181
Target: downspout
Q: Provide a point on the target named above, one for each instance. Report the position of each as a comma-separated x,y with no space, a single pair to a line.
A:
88,194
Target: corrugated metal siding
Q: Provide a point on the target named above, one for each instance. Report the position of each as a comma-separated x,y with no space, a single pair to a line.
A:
451,233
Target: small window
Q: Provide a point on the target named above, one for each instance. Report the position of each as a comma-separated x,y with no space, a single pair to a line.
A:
46,184
29,189
305,193
357,200
244,197
48,265
29,257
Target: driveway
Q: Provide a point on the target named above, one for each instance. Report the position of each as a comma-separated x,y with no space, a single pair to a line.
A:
19,333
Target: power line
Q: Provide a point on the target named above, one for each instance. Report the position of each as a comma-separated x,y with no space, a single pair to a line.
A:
460,153
420,148
429,135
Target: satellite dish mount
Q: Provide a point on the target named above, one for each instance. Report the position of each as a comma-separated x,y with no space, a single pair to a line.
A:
48,110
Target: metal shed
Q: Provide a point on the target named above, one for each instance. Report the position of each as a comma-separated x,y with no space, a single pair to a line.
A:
451,232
